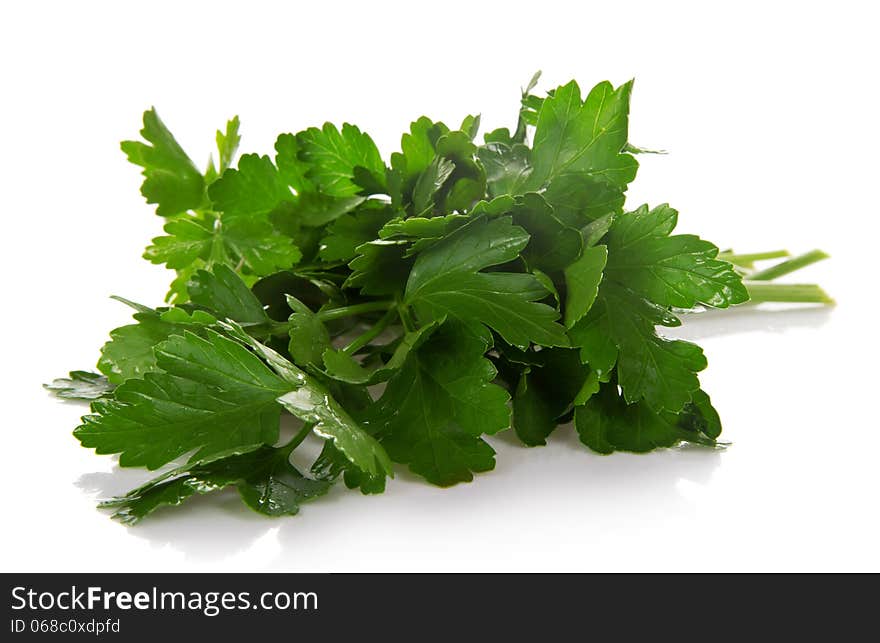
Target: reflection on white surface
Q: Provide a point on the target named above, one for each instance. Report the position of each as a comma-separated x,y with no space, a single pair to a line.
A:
218,529
749,319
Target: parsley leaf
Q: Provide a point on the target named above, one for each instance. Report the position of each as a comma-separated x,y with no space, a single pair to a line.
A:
545,391
553,245
575,136
129,353
223,291
80,385
354,229
254,188
679,271
188,240
582,279
251,242
660,371
266,481
227,143
333,156
309,337
445,282
607,423
439,403
210,395
381,268
171,181
311,402
647,272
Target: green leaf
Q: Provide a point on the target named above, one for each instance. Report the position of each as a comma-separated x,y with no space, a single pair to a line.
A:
440,402
129,353
444,282
171,181
507,166
589,388
658,370
177,290
634,149
422,227
312,209
266,481
309,337
312,403
606,423
331,463
593,336
227,143
529,107
580,198
593,424
213,395
595,230
582,283
417,147
80,385
352,230
188,240
256,244
429,184
467,183
256,187
291,168
583,136
553,245
381,268
679,271
699,415
223,292
470,125
648,271
423,232
333,155
250,240
545,392
273,486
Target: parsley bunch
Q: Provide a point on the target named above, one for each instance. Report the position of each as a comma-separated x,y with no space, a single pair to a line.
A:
404,312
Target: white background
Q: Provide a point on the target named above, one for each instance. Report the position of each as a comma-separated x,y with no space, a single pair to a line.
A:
770,113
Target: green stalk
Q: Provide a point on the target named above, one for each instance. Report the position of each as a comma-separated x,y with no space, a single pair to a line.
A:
760,292
406,318
263,331
746,260
354,309
786,267
298,438
371,334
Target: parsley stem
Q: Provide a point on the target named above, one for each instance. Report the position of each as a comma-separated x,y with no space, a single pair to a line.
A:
785,267
371,334
280,328
747,259
791,293
406,319
299,437
354,309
